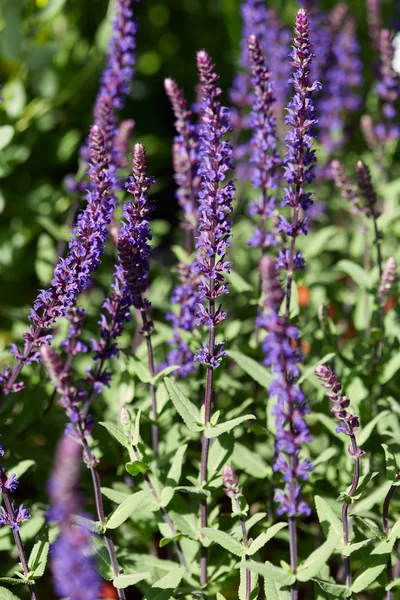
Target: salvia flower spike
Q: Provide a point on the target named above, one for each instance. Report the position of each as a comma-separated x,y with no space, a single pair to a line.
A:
214,228
300,158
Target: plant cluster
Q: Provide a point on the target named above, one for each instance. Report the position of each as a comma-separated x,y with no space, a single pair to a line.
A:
227,428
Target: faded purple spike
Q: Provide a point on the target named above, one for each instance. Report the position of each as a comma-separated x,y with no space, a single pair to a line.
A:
74,574
122,140
134,237
348,423
366,188
389,275
374,21
264,154
215,200
346,187
230,482
185,159
270,286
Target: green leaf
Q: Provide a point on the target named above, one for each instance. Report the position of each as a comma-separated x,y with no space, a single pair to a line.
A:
374,497
188,411
348,550
327,518
325,456
220,596
253,368
167,540
276,591
124,581
373,566
6,135
357,273
250,462
271,572
137,368
167,371
264,537
103,562
362,484
224,539
390,369
7,595
175,472
166,586
317,559
339,591
38,557
22,467
136,466
117,433
193,490
221,428
88,524
366,431
128,506
392,469
319,241
393,584
183,525
114,495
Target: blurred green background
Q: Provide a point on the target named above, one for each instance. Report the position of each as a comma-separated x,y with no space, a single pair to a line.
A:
51,56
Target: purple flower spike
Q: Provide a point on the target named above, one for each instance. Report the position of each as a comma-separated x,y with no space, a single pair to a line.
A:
264,154
73,345
185,158
215,202
300,157
134,236
9,516
281,354
73,571
388,89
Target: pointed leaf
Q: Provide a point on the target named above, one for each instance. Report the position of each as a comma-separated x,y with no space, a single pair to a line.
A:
275,590
373,566
175,471
117,433
252,367
166,586
390,369
136,429
137,368
392,469
327,517
128,506
114,495
188,411
271,572
167,371
221,428
124,581
264,537
7,595
224,539
317,559
339,591
359,275
38,557
136,466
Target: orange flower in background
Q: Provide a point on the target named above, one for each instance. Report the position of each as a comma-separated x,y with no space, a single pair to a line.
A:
108,592
391,303
304,294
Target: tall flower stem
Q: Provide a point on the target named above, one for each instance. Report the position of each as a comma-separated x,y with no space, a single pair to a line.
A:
18,543
91,462
146,331
346,506
214,228
246,544
164,513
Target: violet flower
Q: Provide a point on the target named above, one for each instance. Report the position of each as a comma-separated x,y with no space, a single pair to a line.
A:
74,574
8,484
215,205
264,154
72,344
282,356
300,157
133,241
388,89
73,273
114,86
185,159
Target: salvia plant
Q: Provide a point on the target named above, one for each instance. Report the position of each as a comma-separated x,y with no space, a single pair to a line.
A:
213,412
